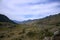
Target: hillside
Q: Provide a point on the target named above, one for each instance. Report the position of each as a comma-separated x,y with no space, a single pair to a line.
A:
52,19
4,18
49,20
47,28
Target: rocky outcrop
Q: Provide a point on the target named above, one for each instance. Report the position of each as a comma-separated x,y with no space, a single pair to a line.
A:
56,35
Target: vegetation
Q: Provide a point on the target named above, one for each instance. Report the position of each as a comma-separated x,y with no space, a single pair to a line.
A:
35,30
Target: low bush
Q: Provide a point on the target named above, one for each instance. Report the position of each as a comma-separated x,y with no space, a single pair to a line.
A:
31,34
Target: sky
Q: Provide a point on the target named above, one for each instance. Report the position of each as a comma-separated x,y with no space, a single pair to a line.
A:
29,9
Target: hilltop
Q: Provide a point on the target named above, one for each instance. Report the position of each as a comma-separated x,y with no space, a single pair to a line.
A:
4,18
48,20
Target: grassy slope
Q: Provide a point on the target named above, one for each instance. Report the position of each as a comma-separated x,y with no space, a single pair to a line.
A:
36,31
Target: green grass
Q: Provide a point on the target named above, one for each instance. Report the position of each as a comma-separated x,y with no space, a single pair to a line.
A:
27,32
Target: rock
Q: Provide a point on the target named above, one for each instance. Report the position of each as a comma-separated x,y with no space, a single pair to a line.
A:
56,35
47,38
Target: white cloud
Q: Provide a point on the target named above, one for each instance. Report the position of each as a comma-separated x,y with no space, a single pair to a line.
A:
18,9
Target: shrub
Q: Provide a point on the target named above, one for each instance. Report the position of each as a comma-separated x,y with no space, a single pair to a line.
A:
41,34
11,33
16,39
31,34
1,24
48,33
23,31
2,35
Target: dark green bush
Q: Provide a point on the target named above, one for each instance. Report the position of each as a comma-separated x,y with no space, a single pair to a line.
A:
31,34
48,33
41,34
2,35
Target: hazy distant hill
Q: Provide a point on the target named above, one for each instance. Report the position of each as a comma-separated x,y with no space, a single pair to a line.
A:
49,20
18,22
4,18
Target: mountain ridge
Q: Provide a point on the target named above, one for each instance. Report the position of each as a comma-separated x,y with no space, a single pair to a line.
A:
52,19
4,18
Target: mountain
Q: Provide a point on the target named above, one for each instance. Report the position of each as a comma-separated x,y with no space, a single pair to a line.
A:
52,19
47,28
22,22
49,20
4,18
18,22
27,21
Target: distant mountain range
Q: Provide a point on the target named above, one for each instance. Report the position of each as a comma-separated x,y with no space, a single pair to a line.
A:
52,19
18,22
49,20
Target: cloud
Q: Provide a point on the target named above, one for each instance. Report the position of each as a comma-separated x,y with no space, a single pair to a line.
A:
29,9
